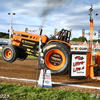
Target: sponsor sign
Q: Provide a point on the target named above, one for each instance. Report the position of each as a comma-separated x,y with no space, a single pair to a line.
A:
78,65
78,48
47,80
98,33
41,78
83,32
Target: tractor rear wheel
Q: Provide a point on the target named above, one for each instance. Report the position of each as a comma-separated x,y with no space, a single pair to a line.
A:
9,53
56,58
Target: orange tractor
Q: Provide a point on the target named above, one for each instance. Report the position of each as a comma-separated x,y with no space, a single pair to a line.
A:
58,55
56,52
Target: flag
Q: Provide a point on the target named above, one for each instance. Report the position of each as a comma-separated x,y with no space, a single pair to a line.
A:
98,33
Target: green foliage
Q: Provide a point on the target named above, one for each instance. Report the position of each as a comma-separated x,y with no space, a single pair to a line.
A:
96,40
74,39
4,35
30,56
80,39
17,92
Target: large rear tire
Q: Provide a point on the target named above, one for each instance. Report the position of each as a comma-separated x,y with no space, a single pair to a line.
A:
56,58
9,53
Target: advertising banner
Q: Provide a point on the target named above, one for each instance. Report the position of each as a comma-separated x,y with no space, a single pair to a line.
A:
78,65
79,48
98,33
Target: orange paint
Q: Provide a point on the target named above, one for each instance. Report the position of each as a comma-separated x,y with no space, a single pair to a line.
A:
8,53
48,63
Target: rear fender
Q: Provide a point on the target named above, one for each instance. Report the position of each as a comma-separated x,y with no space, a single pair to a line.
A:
65,43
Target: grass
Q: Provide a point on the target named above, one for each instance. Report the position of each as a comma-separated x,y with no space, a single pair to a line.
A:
31,56
17,92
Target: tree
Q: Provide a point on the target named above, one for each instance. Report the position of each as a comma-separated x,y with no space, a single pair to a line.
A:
80,39
74,39
4,35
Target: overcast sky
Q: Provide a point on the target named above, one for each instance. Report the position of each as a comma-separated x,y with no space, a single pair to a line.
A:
50,14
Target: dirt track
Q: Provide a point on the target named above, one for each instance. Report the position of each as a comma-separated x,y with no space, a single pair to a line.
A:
27,69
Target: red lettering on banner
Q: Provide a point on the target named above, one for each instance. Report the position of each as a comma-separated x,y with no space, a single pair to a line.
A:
74,70
79,58
78,69
83,67
78,63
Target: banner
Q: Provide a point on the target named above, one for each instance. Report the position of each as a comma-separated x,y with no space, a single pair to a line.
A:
80,48
98,33
83,32
26,30
78,65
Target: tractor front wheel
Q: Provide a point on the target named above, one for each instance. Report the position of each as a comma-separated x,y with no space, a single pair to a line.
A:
9,53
